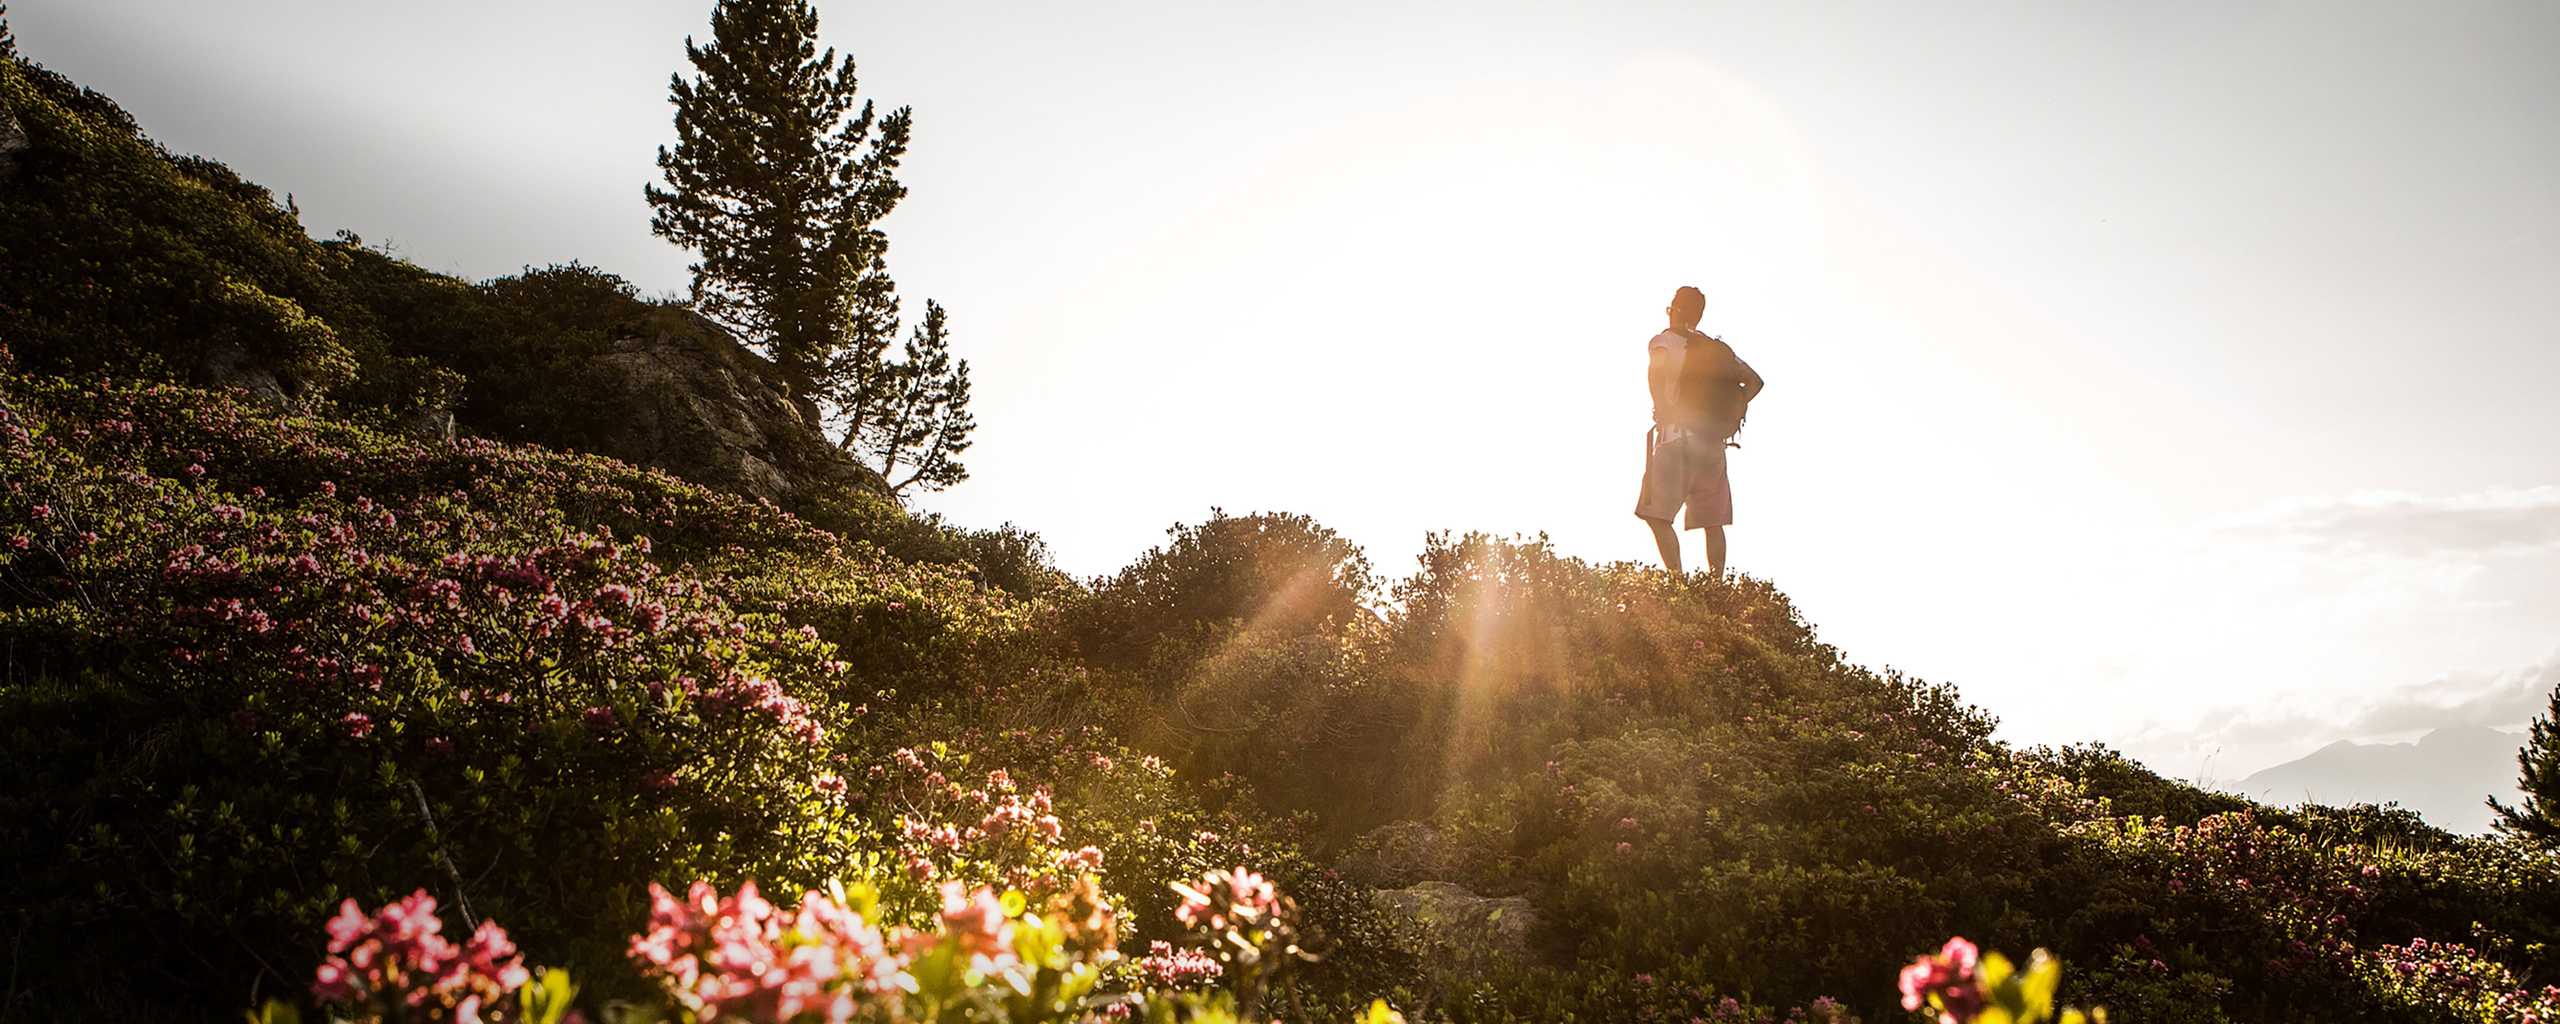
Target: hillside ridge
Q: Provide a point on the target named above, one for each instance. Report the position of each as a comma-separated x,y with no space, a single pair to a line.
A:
115,239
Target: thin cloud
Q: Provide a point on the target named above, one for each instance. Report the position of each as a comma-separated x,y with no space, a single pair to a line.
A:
2284,728
2500,521
2502,700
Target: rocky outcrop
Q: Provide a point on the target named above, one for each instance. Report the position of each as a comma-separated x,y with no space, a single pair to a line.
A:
695,402
1458,933
229,367
13,140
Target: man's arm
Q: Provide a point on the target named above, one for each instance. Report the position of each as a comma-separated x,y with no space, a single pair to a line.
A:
1661,378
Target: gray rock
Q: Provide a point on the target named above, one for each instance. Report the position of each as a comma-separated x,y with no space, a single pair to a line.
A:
700,405
1458,933
13,140
229,366
434,424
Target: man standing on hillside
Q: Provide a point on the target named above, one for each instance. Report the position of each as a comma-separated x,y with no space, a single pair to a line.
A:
1700,392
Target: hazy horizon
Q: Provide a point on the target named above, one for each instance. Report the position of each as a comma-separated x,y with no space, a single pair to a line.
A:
2176,377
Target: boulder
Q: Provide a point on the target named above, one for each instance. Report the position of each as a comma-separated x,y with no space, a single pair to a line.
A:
228,367
696,403
13,140
1458,933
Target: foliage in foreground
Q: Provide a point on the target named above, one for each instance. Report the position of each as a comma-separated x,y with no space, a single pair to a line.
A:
985,956
838,955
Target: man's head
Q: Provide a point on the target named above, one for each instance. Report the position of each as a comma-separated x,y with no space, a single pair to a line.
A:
1687,306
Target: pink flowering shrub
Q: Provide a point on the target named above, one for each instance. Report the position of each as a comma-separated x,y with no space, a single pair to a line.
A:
396,964
1167,967
835,956
350,661
739,957
2453,982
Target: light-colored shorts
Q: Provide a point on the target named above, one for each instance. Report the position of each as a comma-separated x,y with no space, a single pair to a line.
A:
1685,468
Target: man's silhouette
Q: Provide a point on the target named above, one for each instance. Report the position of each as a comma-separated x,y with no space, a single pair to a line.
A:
1700,391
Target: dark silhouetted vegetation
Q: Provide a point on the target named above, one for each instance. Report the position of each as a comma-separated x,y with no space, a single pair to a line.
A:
2537,817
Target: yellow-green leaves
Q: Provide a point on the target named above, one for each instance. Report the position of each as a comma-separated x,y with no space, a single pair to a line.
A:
2014,996
547,998
1380,1013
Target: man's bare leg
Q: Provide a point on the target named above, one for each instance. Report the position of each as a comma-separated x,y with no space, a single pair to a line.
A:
1668,540
1715,551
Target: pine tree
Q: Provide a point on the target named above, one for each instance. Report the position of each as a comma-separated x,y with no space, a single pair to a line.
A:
8,39
923,423
2538,774
779,181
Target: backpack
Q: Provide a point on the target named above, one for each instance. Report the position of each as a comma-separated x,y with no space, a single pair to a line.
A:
1710,386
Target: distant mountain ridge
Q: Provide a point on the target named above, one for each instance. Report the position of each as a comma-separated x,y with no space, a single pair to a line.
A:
2446,775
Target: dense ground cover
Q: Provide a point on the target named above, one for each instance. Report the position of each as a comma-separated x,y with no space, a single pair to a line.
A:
261,663
1696,792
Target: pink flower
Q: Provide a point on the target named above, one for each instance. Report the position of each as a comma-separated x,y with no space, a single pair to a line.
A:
399,958
1950,981
357,725
978,922
1167,967
740,957
1224,899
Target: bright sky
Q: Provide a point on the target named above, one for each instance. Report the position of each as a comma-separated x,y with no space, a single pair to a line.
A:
2180,375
